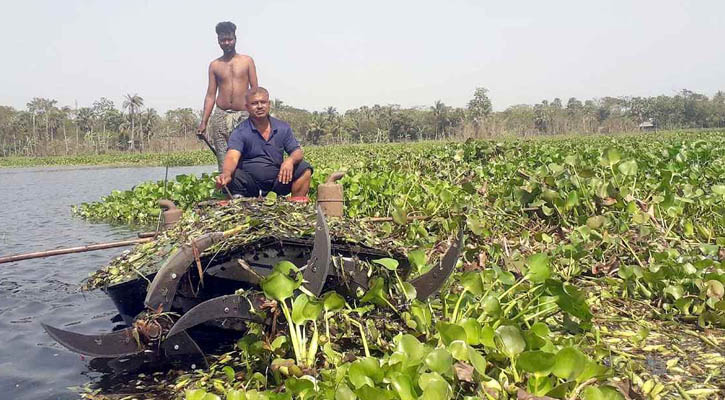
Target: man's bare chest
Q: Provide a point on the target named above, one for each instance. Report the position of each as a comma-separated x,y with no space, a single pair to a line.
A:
231,71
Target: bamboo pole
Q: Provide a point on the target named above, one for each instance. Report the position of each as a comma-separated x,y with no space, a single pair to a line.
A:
69,250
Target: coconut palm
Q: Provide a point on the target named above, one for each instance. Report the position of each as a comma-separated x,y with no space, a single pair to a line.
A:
133,103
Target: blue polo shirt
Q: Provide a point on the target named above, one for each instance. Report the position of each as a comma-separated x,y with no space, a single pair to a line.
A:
262,158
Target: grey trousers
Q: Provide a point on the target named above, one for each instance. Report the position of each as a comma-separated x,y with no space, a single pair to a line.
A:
222,124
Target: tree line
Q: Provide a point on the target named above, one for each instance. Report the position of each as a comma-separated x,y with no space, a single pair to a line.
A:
45,128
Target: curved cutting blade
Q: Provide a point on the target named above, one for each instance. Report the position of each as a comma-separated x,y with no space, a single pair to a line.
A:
229,306
430,282
318,267
115,344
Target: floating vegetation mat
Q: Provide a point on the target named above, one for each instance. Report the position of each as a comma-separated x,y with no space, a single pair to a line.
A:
593,268
258,218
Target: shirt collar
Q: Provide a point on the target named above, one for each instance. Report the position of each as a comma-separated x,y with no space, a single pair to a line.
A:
272,123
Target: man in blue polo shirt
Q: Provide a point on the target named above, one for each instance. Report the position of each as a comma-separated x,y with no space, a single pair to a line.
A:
254,163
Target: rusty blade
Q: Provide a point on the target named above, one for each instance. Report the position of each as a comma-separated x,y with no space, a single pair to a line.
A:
318,266
431,282
115,344
229,306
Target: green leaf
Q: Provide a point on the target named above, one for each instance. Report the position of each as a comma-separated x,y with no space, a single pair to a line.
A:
715,289
298,386
236,394
439,360
343,392
473,331
298,307
402,385
417,259
601,393
572,200
450,332
376,293
718,189
536,362
333,301
195,394
365,371
511,341
229,373
399,215
372,393
491,306
459,350
569,363
540,329
628,168
412,348
285,267
435,389
410,291
610,157
421,314
477,360
278,286
471,281
487,336
539,270
389,263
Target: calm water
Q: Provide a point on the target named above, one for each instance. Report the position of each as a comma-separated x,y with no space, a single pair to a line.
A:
35,215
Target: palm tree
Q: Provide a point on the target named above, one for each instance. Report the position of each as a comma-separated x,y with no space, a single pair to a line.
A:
149,120
440,117
133,103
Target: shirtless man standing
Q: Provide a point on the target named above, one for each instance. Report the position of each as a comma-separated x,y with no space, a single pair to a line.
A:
232,74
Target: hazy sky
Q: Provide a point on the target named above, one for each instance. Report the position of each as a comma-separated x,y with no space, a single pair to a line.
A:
313,54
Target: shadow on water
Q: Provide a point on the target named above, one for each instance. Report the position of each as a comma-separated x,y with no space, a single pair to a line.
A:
35,215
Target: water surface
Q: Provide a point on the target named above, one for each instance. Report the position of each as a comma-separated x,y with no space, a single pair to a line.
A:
35,215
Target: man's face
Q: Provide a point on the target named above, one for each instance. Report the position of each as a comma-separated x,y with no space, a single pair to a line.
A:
258,105
227,42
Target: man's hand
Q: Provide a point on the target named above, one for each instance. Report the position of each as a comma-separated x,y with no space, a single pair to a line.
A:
285,171
222,180
200,131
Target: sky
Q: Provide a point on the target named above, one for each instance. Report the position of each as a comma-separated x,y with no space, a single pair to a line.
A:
314,54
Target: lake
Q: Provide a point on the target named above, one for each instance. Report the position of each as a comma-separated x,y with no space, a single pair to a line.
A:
35,215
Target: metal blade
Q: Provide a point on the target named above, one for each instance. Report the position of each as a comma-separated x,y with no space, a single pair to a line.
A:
229,306
318,267
115,344
163,288
182,351
430,282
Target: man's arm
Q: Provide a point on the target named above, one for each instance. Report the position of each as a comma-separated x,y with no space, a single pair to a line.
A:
208,100
252,74
231,160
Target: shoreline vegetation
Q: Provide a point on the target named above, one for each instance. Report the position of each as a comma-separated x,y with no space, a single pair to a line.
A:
46,128
202,157
593,268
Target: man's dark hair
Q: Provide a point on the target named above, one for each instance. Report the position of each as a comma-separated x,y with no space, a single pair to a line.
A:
226,28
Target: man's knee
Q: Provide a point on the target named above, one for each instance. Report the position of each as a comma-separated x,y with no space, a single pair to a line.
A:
306,176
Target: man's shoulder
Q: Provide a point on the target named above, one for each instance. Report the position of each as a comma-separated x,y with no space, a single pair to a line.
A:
243,128
279,124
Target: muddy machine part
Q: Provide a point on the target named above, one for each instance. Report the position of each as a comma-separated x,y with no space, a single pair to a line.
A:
170,215
329,195
147,340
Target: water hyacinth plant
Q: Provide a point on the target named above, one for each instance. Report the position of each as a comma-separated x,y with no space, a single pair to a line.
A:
592,268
